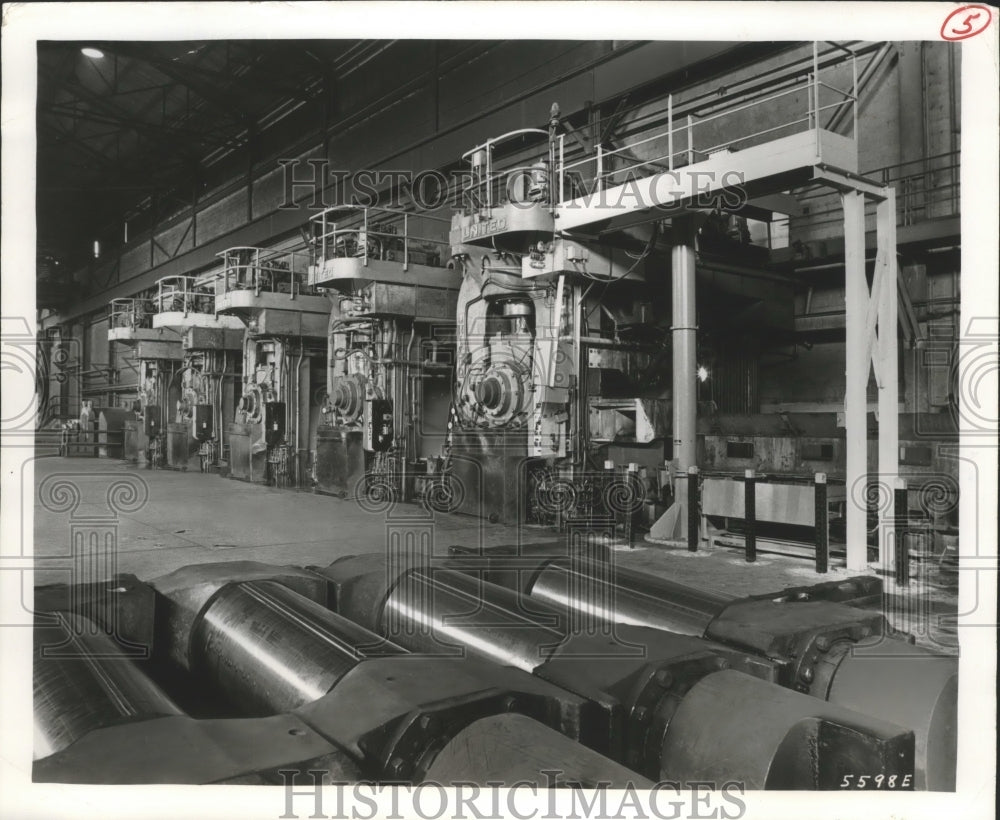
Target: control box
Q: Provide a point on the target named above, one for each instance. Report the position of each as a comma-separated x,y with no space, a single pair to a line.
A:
378,425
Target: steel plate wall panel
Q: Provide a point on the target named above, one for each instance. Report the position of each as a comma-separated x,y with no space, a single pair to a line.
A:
225,215
134,261
269,190
173,241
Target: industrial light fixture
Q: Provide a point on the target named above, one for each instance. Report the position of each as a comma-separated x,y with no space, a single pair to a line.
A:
93,53
703,373
97,249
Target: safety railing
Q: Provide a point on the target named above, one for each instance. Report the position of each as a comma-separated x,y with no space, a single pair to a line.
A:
691,136
132,312
264,270
926,188
494,181
185,294
384,234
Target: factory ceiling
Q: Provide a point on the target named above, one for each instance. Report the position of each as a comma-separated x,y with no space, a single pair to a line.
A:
124,124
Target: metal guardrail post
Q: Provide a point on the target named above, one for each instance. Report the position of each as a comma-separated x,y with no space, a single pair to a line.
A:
365,249
822,524
690,139
670,132
902,524
815,79
562,162
406,242
693,518
750,514
854,91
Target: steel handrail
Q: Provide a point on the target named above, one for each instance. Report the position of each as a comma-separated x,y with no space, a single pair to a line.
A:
262,261
488,145
812,83
360,226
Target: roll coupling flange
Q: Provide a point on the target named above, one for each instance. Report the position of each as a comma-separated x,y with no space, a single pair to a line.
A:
805,638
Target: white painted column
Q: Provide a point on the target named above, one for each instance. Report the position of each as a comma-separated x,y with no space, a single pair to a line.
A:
857,364
888,358
684,344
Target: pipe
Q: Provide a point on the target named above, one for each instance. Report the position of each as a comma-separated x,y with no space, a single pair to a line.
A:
221,410
684,336
298,409
330,350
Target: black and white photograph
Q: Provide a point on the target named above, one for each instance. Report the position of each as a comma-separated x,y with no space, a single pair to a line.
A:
499,409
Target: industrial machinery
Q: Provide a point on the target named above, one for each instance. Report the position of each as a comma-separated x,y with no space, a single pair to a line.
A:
233,672
576,310
210,376
555,337
272,436
817,640
243,676
156,356
389,349
671,707
616,289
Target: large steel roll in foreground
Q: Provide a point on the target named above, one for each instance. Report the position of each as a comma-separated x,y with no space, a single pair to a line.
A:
323,695
83,682
269,649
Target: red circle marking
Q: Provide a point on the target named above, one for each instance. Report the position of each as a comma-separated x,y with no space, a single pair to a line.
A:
966,22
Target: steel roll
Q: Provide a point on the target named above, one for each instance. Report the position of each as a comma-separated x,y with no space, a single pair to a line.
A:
603,592
83,681
442,611
271,650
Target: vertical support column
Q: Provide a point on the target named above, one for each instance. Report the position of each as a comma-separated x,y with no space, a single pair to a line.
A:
684,342
694,522
857,366
750,514
888,361
901,559
822,516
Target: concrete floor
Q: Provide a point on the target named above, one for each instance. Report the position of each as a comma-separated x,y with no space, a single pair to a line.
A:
194,518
